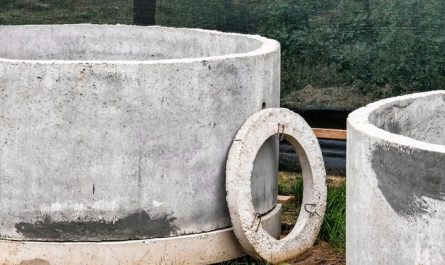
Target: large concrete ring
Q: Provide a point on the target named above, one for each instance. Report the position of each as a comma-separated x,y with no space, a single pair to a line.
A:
252,236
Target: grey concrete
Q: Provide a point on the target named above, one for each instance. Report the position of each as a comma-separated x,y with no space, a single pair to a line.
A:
271,221
122,132
203,248
265,190
396,181
253,237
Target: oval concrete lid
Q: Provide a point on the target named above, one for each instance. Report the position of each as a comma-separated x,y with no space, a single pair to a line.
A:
360,120
246,222
267,46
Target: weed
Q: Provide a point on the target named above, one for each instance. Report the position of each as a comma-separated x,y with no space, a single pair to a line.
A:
333,229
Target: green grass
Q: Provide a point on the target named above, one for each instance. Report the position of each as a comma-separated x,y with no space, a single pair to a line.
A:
333,229
292,187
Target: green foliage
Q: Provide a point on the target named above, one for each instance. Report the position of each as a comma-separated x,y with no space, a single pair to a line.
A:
333,229
227,15
65,11
399,43
297,190
292,186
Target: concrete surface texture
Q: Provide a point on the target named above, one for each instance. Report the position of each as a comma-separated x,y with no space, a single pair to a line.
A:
204,248
396,181
257,241
122,132
213,246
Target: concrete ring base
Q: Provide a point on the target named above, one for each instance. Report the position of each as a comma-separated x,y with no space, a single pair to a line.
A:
253,237
204,248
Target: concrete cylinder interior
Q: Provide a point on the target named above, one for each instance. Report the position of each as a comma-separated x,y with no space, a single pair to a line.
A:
396,181
118,133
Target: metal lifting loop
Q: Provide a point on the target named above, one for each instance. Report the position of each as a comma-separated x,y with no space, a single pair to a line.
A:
280,132
312,205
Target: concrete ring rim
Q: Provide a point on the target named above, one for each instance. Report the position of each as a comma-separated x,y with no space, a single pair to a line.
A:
267,46
256,241
359,119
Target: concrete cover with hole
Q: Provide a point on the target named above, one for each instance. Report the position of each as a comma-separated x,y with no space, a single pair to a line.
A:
122,132
396,181
257,241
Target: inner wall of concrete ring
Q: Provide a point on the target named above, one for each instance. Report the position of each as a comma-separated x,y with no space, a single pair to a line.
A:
396,181
122,132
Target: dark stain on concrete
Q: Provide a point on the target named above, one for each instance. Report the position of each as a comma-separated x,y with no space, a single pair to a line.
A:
34,262
407,176
138,225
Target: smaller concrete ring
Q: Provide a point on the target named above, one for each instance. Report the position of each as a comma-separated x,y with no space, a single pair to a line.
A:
253,238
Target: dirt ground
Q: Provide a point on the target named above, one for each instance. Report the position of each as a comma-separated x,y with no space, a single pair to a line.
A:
321,253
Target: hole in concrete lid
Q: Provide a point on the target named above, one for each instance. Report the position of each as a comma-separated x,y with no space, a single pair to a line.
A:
271,186
290,196
290,188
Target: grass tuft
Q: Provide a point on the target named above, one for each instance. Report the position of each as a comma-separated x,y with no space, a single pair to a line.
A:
333,229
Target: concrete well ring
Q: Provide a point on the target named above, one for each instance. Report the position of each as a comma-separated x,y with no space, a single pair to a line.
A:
249,139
